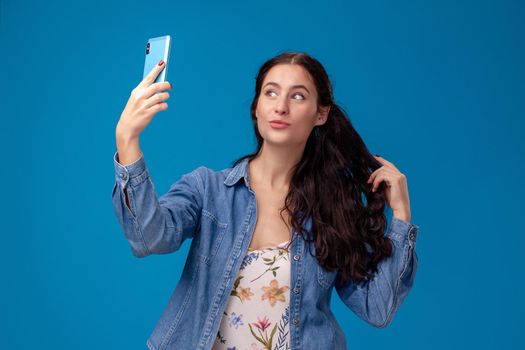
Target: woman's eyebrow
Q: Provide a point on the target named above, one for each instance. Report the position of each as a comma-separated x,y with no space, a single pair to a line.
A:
292,87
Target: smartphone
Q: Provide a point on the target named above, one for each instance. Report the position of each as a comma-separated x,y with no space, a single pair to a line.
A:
157,49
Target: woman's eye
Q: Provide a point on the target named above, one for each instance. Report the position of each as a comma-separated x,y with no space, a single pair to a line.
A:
296,94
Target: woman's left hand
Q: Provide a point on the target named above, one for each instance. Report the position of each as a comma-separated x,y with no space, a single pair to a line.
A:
396,190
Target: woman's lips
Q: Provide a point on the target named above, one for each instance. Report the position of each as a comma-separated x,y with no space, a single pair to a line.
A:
277,125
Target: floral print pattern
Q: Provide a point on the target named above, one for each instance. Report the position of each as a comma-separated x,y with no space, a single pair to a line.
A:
257,313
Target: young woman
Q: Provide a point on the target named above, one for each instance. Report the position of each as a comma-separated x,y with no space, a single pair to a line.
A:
272,235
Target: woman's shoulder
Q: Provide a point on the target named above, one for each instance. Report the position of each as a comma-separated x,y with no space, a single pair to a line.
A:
212,176
206,170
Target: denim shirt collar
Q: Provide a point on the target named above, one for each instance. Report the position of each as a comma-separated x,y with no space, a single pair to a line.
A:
238,171
241,170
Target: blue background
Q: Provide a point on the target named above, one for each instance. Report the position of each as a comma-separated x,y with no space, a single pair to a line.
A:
436,87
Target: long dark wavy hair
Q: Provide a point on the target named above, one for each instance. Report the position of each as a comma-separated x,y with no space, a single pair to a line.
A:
328,185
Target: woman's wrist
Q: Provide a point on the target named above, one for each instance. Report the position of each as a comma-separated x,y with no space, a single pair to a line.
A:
402,215
128,148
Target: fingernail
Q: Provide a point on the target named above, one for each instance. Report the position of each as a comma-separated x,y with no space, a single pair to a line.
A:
377,155
161,62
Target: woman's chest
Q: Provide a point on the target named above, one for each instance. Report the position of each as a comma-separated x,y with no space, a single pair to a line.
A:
272,226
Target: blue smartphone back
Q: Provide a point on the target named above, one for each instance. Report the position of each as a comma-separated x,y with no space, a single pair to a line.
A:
156,49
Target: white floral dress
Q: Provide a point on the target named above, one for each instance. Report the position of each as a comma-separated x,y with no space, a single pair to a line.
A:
257,312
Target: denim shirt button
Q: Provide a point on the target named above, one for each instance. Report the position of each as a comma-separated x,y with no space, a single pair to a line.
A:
123,176
296,257
295,321
412,236
296,290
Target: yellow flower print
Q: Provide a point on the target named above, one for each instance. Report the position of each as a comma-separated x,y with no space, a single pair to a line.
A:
245,294
274,293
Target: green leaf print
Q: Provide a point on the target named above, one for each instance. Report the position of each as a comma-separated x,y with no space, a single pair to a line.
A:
235,286
237,281
269,262
255,335
271,336
266,342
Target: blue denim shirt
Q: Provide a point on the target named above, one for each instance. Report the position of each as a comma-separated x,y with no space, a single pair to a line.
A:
218,212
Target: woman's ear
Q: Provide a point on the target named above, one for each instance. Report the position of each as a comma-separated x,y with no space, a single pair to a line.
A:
322,115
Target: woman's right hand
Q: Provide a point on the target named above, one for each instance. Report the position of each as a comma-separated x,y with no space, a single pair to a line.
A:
146,100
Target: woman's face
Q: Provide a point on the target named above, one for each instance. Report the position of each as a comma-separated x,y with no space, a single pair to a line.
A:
288,94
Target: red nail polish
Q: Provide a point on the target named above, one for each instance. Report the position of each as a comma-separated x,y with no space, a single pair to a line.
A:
161,62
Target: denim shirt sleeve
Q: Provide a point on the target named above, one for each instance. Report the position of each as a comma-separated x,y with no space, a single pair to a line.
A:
377,300
154,225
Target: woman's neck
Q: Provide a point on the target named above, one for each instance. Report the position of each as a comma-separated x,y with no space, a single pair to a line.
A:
272,168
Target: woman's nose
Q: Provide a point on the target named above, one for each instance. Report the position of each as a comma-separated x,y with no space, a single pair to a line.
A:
281,106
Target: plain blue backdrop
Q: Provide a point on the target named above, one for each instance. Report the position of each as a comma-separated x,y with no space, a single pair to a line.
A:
436,87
